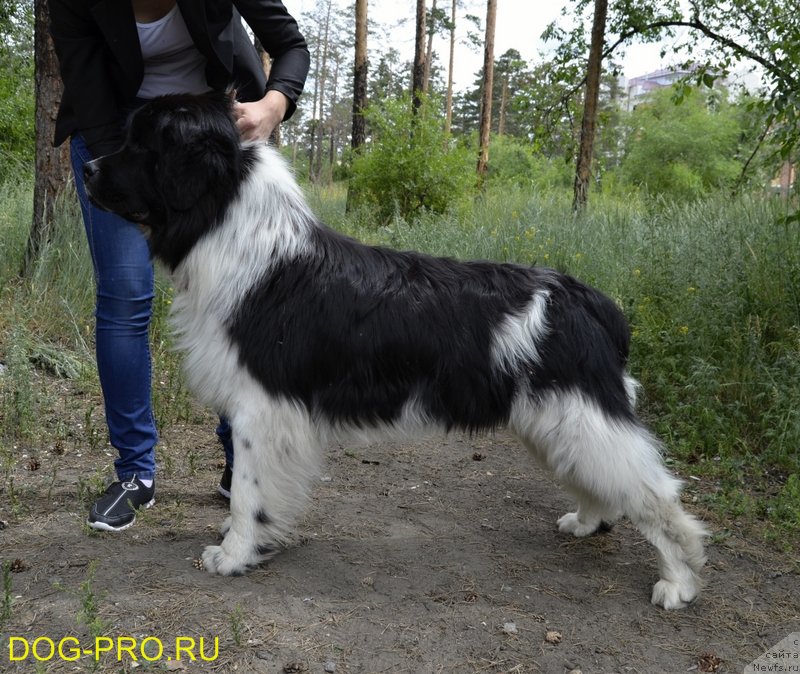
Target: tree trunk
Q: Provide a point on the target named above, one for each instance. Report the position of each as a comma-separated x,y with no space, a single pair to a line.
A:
583,171
360,71
359,135
426,78
52,164
486,98
332,122
448,122
501,118
323,70
312,125
787,171
418,82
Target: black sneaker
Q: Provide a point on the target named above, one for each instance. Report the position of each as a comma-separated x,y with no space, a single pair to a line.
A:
116,509
224,487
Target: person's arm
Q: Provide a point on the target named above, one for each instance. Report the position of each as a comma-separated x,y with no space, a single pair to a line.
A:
277,30
88,89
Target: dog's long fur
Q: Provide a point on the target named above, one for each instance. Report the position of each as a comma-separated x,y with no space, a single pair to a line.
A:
301,336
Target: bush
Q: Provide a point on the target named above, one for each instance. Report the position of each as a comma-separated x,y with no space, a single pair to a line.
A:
410,165
685,150
515,162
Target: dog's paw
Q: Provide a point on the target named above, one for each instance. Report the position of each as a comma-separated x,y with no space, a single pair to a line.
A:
570,524
218,562
225,527
672,595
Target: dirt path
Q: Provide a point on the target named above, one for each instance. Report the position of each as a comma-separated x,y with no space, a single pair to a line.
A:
437,556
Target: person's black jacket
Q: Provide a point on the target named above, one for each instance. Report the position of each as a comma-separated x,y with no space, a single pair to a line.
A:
101,63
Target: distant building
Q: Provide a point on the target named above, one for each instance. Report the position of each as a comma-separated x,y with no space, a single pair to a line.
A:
638,88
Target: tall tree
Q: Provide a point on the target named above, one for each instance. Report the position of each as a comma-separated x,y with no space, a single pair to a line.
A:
418,74
315,170
52,164
431,28
488,85
359,134
449,100
583,170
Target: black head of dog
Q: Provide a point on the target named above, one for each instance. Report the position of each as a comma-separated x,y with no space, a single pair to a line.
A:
179,167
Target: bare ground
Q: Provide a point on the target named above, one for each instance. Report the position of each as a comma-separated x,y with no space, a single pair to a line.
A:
435,556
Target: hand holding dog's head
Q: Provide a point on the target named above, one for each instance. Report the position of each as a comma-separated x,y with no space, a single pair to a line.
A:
177,150
181,160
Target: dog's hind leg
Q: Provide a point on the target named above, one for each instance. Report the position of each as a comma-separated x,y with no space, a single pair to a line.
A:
276,457
590,517
614,467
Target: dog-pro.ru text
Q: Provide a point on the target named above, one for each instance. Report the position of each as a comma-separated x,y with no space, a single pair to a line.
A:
120,649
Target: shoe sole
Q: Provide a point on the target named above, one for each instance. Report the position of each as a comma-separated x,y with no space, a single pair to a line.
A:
225,493
102,526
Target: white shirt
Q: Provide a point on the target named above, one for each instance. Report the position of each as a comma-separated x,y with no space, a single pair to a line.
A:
172,64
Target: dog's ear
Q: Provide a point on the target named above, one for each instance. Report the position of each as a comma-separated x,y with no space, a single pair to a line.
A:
190,168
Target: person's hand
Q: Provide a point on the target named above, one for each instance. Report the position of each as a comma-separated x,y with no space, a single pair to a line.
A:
257,120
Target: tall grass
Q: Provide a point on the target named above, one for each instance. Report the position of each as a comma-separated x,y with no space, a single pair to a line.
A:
712,291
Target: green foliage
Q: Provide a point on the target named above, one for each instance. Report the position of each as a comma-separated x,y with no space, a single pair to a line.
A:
515,162
6,601
719,39
682,150
410,165
16,89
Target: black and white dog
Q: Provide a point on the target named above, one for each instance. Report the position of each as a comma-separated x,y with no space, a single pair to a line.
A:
301,336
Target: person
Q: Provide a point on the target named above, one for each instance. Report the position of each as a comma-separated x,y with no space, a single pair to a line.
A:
113,56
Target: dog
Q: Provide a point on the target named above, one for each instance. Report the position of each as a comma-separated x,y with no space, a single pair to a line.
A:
302,336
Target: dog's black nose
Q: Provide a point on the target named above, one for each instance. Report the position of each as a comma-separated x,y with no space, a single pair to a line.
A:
89,169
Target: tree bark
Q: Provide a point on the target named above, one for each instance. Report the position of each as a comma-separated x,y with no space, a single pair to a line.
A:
312,125
359,135
583,170
486,98
448,122
501,118
360,71
52,164
418,81
323,76
426,79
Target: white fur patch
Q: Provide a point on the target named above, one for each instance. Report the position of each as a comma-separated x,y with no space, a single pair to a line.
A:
515,339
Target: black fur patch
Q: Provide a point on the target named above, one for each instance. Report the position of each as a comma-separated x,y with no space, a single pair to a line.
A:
356,332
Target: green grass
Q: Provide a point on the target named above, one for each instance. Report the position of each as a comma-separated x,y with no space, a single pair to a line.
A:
711,288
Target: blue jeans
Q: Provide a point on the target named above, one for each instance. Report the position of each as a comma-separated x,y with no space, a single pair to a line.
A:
124,277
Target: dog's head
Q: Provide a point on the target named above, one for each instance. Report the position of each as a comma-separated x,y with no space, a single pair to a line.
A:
179,167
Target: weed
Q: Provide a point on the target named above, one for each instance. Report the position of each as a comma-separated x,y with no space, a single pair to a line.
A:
236,619
89,614
5,607
90,486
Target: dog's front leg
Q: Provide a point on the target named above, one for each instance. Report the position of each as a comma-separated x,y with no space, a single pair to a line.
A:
276,456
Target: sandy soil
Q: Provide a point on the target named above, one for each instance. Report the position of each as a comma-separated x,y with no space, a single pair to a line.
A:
435,556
